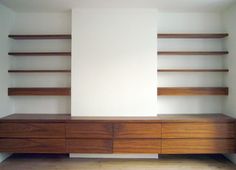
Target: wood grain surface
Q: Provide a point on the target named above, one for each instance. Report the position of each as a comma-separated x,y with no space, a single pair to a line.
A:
137,146
89,130
137,130
89,145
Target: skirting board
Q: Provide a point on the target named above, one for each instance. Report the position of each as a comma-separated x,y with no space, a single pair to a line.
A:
231,157
4,156
115,156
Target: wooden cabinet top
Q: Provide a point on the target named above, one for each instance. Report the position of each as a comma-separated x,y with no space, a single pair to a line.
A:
196,118
36,118
162,118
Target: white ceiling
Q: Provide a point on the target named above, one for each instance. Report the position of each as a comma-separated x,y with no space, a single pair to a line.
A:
164,5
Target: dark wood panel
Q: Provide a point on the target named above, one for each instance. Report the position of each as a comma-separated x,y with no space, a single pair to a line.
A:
89,146
197,146
195,35
196,118
39,91
137,146
40,53
32,130
32,145
187,118
198,130
192,52
112,119
42,36
192,91
39,71
193,70
89,130
137,130
35,118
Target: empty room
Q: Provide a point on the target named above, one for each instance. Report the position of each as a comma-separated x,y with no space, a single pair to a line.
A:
117,84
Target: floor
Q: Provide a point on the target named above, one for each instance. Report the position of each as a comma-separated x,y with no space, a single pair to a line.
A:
167,162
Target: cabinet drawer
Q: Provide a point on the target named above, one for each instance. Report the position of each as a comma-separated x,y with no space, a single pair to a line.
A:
198,130
197,146
137,130
137,146
32,130
89,130
89,145
32,145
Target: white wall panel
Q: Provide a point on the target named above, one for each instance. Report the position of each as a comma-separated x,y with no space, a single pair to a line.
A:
114,62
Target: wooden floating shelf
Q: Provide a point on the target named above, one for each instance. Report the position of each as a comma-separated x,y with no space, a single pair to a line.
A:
39,71
199,36
193,70
192,52
191,91
38,91
40,53
40,37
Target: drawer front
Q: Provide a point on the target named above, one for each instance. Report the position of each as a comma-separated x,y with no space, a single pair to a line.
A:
32,130
137,146
197,146
89,130
89,145
198,130
137,130
32,145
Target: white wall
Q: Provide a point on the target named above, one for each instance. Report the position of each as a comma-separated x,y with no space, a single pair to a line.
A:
114,62
45,23
6,18
230,25
41,23
189,23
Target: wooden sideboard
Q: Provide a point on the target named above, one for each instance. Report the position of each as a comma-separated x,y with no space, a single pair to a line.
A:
164,134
